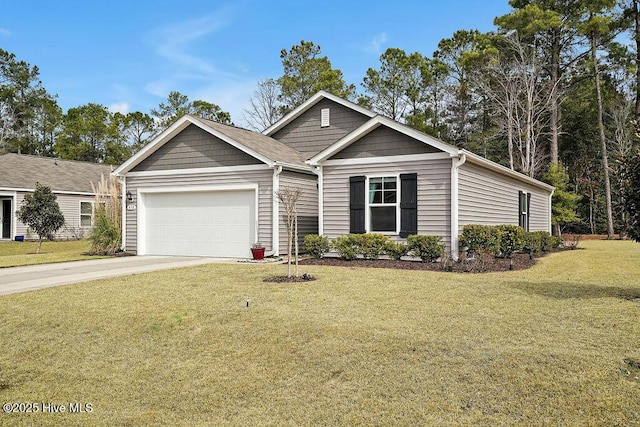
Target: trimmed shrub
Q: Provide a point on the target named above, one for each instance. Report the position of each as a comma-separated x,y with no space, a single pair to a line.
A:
427,248
511,238
477,237
532,243
546,241
371,245
346,246
396,250
316,245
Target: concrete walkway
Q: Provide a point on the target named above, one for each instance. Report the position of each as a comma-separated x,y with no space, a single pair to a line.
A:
22,279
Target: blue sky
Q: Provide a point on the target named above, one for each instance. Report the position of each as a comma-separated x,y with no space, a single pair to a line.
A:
128,55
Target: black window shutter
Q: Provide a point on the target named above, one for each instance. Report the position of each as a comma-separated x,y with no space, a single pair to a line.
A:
528,207
357,196
408,204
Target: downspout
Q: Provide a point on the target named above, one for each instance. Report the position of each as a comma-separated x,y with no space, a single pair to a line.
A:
123,186
456,162
551,211
275,219
318,171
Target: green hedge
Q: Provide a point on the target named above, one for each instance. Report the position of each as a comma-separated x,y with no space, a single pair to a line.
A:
316,245
506,240
427,248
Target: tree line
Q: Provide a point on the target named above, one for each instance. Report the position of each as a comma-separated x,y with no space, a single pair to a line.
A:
552,92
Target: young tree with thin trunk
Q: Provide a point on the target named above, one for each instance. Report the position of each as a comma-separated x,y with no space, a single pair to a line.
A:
289,198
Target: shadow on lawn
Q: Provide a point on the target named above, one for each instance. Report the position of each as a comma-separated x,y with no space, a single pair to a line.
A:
565,291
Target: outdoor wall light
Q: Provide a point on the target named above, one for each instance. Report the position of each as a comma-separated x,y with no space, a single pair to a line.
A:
129,196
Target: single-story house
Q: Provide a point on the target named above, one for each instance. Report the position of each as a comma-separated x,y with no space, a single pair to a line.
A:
207,189
69,180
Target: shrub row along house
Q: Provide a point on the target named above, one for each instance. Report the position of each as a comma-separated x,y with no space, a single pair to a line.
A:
69,180
206,189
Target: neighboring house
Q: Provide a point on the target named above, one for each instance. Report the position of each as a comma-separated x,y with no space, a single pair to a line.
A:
69,180
202,188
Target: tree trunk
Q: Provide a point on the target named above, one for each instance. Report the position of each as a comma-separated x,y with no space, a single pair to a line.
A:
39,244
554,118
603,142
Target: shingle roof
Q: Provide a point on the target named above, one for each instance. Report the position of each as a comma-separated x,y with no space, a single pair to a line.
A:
266,146
22,171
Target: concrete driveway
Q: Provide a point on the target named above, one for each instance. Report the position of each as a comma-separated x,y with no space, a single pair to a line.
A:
21,279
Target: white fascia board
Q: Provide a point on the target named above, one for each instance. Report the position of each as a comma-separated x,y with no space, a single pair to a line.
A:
151,147
479,160
195,171
310,103
386,159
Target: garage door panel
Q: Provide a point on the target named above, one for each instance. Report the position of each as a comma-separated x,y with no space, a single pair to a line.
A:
211,223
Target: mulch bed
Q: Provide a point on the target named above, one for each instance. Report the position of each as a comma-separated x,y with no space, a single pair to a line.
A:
520,262
293,279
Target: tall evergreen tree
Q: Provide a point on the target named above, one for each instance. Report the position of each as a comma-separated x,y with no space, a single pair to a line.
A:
305,72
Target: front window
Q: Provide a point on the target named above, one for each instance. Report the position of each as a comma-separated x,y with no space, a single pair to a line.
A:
383,204
86,214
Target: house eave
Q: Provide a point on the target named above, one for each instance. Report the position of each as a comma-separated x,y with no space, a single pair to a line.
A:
181,124
479,160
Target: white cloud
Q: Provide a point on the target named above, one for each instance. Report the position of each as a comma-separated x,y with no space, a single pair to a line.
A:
173,43
4,32
196,75
120,107
375,45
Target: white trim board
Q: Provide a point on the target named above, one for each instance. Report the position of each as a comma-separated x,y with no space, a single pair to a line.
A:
196,171
386,159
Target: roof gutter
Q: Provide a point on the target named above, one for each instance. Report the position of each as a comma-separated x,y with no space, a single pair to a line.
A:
319,172
123,208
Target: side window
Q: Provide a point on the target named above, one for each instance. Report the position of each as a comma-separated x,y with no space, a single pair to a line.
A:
524,202
86,214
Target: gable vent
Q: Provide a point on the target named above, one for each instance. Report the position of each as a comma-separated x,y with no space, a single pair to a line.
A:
324,118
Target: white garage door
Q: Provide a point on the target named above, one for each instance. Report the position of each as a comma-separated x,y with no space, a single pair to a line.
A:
199,223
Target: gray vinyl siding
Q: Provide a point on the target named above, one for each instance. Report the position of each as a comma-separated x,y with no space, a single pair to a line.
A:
70,206
488,198
305,134
194,148
434,195
263,178
307,207
384,141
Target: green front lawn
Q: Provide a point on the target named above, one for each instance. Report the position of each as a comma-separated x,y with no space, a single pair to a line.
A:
14,254
557,344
